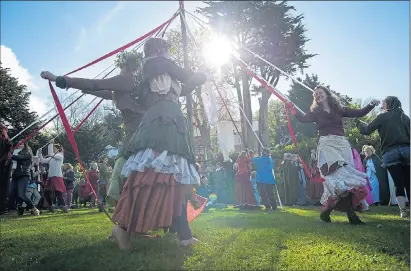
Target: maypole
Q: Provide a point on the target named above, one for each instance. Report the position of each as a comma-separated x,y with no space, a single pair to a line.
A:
189,99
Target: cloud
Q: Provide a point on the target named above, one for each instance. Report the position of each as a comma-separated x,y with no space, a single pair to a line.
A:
106,18
10,60
98,27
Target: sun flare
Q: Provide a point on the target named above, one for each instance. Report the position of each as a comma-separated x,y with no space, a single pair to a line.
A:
217,51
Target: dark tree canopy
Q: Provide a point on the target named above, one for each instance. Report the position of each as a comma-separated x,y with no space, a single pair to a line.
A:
15,111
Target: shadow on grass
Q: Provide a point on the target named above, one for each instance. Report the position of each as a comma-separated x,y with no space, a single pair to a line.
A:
153,254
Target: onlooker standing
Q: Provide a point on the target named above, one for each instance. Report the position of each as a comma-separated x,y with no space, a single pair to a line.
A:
55,180
21,179
33,187
93,176
69,180
264,166
105,174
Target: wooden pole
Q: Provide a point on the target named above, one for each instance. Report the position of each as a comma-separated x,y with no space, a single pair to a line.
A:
189,99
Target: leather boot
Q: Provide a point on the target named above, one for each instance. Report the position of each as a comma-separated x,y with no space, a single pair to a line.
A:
325,216
353,218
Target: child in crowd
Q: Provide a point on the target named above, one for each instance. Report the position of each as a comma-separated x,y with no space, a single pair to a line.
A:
253,181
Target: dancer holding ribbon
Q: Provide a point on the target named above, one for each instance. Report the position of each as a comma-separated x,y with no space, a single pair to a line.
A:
118,88
343,185
161,160
393,126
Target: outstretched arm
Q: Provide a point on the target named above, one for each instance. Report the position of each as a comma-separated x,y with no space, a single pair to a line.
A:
366,129
357,113
306,118
121,82
105,94
188,78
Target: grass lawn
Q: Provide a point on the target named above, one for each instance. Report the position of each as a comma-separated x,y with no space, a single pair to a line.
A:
293,239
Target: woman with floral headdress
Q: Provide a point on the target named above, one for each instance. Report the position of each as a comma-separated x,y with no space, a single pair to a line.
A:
344,185
161,159
393,126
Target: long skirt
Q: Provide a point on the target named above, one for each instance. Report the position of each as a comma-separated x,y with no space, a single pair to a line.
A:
345,180
375,187
244,191
149,201
56,184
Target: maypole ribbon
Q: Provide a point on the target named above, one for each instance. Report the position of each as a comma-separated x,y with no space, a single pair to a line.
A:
122,48
35,132
73,143
91,63
290,127
66,125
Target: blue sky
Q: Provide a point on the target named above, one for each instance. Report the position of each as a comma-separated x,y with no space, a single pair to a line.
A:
363,47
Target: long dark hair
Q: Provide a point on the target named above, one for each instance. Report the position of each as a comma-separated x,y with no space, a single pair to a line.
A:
333,102
155,47
393,104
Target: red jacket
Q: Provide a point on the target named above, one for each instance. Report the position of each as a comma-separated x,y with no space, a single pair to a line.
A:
93,177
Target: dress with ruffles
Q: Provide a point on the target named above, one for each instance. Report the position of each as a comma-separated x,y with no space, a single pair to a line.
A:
160,153
344,186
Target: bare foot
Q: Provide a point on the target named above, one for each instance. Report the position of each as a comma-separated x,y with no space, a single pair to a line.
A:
122,238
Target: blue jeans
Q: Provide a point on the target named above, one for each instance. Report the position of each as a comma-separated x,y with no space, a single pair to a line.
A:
19,189
397,162
399,155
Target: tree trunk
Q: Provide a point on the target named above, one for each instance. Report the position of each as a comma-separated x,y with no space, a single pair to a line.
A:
250,138
263,113
263,119
241,104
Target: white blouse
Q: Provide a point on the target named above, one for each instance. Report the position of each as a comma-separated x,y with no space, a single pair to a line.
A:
55,162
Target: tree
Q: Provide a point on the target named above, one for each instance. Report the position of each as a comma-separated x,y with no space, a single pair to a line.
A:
269,29
15,111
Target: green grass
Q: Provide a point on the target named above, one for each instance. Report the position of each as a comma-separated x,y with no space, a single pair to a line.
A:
293,239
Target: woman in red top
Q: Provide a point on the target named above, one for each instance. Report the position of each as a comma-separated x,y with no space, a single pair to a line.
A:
243,191
343,185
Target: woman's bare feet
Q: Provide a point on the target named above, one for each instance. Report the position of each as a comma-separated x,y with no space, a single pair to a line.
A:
122,238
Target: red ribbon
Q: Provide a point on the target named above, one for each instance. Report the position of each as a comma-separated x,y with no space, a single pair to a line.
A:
72,140
122,48
89,64
290,127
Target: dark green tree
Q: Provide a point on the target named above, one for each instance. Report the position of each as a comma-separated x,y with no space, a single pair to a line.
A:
15,111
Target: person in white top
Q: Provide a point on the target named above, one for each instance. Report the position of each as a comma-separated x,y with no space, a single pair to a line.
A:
55,181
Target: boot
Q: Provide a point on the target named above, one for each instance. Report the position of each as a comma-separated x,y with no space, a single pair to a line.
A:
353,218
325,216
401,203
20,210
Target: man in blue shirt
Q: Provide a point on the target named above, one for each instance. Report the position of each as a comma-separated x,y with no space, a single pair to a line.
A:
264,166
